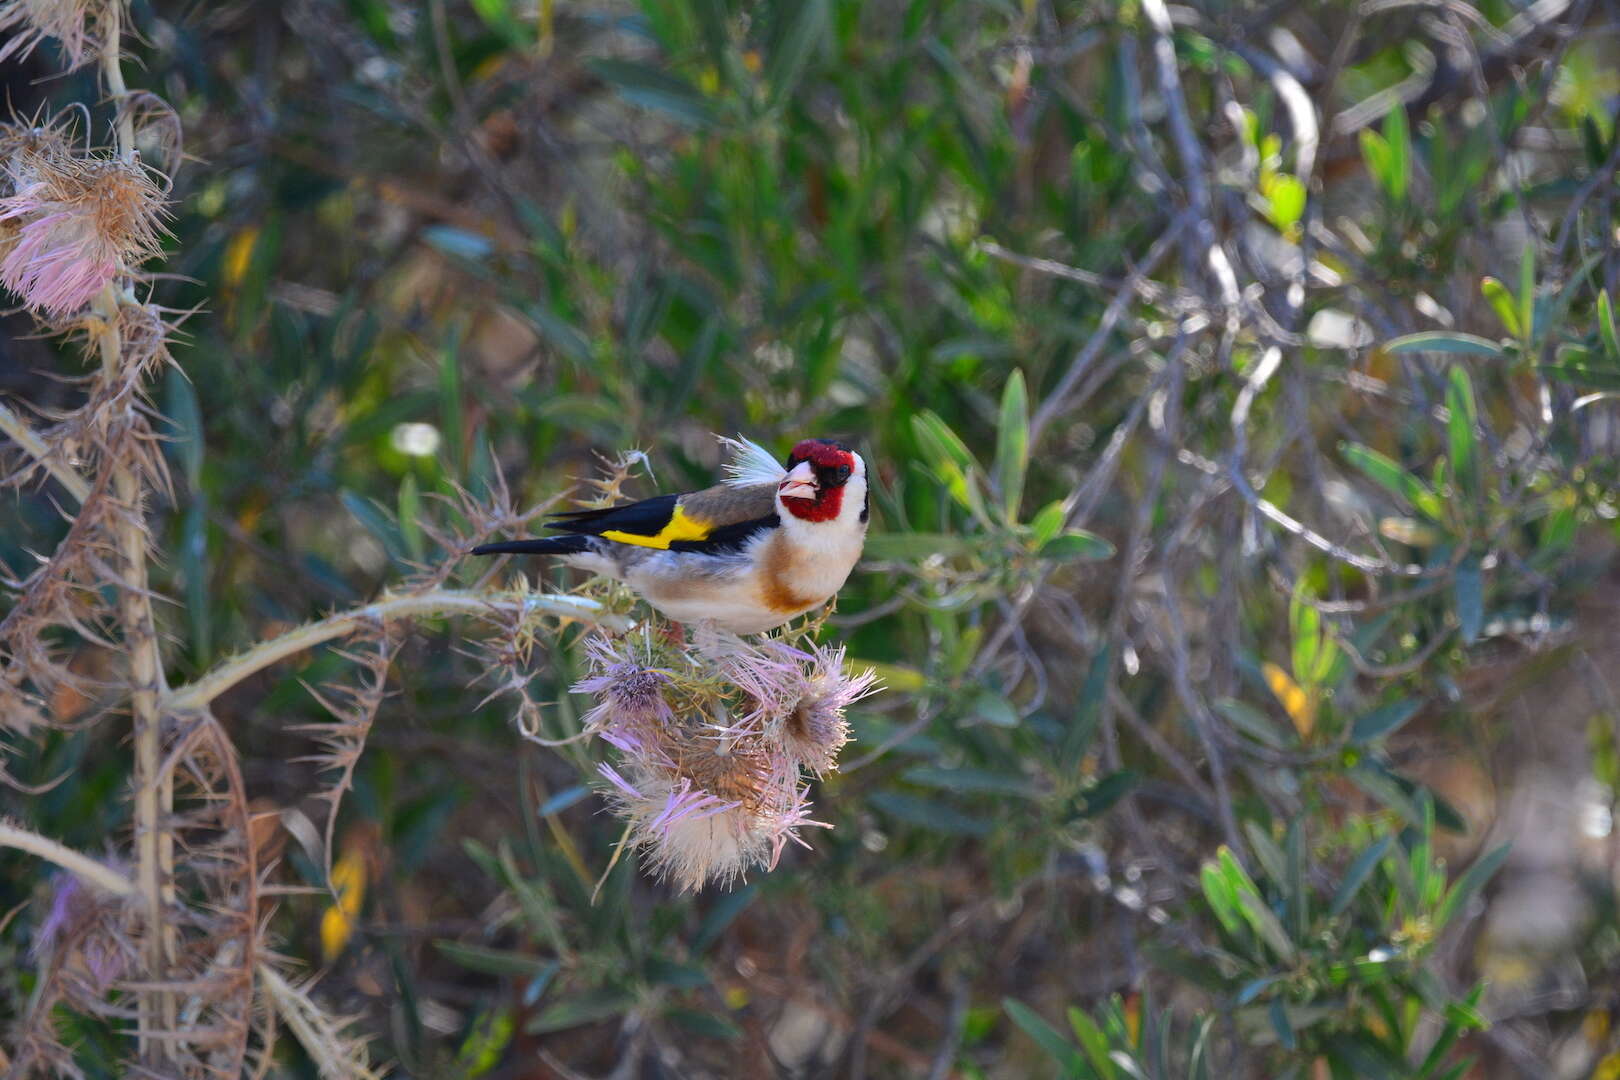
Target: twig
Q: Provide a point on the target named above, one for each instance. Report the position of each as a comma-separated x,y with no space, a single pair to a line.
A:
198,694
23,435
83,867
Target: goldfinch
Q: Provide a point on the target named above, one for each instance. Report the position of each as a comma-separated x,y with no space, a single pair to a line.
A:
770,542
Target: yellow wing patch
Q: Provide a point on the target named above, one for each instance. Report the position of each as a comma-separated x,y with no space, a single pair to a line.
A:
680,527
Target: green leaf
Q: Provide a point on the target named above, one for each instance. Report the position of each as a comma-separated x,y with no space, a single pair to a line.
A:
1463,417
1252,722
1047,522
1280,1024
1094,1043
707,1024
1046,1036
1285,200
1606,329
939,444
410,513
656,89
1378,783
1468,589
929,814
586,1008
1106,792
1400,151
1390,476
970,781
495,961
806,28
1254,908
1221,897
1376,153
1077,545
1501,301
186,444
1444,341
1083,728
1473,880
1012,445
914,546
1382,721
1527,291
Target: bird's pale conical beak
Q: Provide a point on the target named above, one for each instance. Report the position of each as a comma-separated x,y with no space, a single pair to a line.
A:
800,483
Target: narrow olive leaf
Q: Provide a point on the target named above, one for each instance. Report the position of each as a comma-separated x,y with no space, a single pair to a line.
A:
1383,721
806,29
1253,989
586,1008
1106,792
1463,418
1094,1043
1012,445
939,444
1501,301
656,89
1382,786
1077,545
1046,1036
1083,728
1474,879
1375,152
1527,291
1611,340
1296,898
1252,722
1305,627
493,961
1400,151
1047,523
1468,588
908,546
1266,851
1390,476
1445,342
1280,1024
410,515
1357,874
1220,897
1253,906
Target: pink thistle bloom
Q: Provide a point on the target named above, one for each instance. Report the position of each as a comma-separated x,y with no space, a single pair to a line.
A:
68,21
77,225
800,698
631,708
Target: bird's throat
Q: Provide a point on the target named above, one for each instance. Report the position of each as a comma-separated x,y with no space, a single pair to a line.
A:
824,507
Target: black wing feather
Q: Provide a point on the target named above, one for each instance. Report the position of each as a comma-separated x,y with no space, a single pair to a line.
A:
728,538
645,518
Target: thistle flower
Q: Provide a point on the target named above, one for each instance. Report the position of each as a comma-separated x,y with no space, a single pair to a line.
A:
81,932
799,699
79,223
75,24
693,835
631,705
713,745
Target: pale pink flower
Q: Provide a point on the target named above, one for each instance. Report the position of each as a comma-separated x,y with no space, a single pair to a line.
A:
713,748
78,224
75,24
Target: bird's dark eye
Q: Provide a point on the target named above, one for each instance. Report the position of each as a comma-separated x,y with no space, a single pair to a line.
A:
841,473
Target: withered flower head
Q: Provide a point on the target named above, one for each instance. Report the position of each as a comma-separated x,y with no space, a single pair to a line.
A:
77,25
712,747
79,223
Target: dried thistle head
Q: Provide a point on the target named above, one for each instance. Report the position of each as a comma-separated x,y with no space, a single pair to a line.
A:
80,27
77,223
713,744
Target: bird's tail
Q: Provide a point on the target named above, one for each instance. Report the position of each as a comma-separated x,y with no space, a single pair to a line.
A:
546,545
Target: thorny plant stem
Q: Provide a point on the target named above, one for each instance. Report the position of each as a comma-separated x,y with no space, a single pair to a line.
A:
197,695
23,435
81,866
154,790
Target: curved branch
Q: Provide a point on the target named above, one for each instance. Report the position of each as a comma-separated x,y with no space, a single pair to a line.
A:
81,866
198,694
36,448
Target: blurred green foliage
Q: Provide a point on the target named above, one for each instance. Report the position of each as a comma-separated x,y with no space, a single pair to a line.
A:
1184,595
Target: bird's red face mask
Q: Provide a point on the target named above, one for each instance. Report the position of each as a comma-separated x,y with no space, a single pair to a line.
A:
813,489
